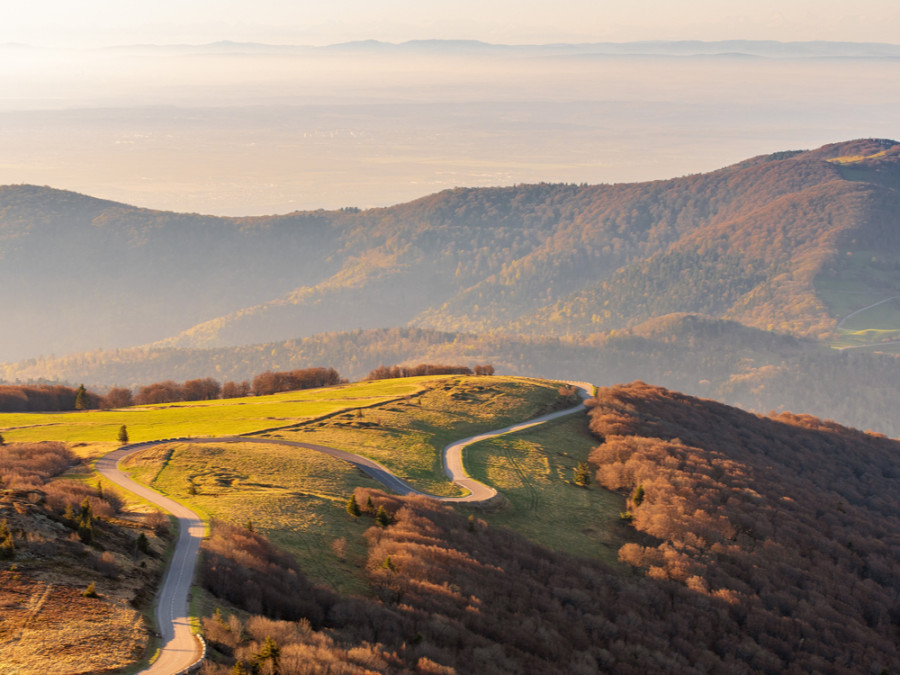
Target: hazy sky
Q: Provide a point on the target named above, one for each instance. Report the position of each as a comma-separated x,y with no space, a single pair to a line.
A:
114,22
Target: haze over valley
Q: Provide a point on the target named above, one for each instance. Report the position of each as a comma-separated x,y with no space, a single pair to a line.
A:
250,129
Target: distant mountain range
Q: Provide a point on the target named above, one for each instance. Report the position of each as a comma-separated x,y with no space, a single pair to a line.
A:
791,242
759,48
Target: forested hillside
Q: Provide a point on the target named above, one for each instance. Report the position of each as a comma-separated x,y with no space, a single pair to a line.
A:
765,242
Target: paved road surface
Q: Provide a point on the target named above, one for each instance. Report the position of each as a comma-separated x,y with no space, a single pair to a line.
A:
180,648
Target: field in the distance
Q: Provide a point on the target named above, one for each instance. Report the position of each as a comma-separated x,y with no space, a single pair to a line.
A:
199,418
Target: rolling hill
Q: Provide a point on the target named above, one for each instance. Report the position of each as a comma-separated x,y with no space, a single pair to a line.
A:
765,242
725,284
709,540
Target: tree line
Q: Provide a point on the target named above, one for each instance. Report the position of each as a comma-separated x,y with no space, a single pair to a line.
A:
393,372
59,398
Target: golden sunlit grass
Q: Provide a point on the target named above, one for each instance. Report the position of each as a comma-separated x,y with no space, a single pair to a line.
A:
533,470
408,436
853,159
97,429
49,628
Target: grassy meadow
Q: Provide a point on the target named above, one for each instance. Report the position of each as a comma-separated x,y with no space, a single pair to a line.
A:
198,418
534,471
408,436
297,497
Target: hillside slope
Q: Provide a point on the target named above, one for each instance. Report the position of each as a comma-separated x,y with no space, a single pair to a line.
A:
765,242
757,545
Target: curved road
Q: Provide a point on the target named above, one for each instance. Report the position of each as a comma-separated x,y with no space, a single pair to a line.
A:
180,649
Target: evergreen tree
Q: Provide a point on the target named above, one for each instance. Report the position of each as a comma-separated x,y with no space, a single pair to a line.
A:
7,544
352,507
2,442
382,517
81,399
638,495
270,652
143,544
85,522
123,434
583,474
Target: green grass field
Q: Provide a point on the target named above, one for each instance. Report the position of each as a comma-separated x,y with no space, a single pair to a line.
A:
199,418
293,495
408,436
297,497
533,470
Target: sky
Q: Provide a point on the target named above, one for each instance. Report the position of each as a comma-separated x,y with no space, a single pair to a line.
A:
89,23
252,132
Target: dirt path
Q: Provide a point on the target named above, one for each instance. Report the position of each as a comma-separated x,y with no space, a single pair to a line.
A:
180,648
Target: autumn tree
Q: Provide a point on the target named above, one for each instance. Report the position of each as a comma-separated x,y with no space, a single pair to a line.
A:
235,389
205,389
118,397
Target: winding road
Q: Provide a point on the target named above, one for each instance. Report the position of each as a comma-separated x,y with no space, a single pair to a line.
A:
180,650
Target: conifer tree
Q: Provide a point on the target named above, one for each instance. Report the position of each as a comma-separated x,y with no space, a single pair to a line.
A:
352,507
7,544
270,652
583,474
81,398
382,517
123,434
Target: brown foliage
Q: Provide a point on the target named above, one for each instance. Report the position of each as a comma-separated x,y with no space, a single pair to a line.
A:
243,568
117,397
40,398
305,378
391,372
30,465
790,519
